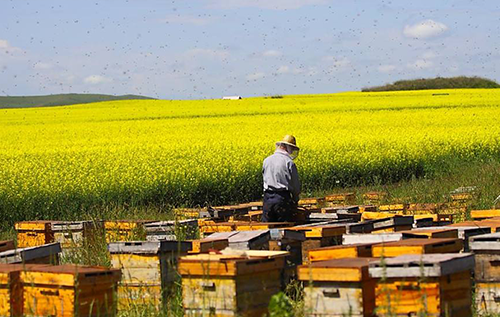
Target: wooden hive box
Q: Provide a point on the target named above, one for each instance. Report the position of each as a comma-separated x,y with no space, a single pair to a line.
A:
428,285
393,224
340,287
245,240
360,227
72,234
172,230
431,233
492,224
341,199
187,213
375,215
238,284
465,233
427,208
208,244
312,202
34,233
369,208
225,212
290,241
417,246
422,222
69,290
374,197
484,214
357,238
320,236
125,230
148,268
341,251
248,226
43,254
11,289
7,245
209,227
394,207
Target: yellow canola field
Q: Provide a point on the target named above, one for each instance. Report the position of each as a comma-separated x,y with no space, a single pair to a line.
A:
61,160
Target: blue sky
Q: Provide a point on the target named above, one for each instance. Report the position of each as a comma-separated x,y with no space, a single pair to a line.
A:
194,49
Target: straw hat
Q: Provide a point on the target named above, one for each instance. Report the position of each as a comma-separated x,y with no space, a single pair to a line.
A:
288,140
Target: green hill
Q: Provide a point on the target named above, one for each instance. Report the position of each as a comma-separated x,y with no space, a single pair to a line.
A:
59,100
436,83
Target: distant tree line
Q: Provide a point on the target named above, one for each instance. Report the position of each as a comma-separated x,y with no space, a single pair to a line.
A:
436,83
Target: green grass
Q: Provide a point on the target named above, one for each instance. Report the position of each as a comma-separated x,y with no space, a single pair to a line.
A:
436,83
59,100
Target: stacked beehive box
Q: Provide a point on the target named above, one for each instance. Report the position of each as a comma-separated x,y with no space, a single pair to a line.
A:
374,198
341,199
149,270
72,234
34,233
486,249
172,230
68,290
417,246
239,284
424,285
341,251
320,236
125,230
340,287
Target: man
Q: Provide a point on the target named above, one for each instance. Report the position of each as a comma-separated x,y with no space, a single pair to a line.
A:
281,182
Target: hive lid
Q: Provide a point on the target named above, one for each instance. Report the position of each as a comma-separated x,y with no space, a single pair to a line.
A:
30,253
149,247
336,270
170,223
69,275
280,234
397,220
428,265
417,242
485,242
356,238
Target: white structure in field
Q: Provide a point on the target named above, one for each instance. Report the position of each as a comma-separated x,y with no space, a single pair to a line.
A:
231,98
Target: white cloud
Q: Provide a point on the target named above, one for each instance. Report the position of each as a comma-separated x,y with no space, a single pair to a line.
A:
283,69
209,53
256,76
429,55
265,4
4,44
187,19
272,53
421,64
96,79
337,62
41,65
425,29
386,68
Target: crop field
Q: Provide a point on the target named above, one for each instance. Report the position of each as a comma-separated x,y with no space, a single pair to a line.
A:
58,162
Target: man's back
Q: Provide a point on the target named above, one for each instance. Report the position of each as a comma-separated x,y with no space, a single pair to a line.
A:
280,174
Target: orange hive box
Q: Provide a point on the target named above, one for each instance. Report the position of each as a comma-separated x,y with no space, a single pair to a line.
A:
34,233
239,284
339,287
417,246
341,251
69,290
431,233
424,285
484,214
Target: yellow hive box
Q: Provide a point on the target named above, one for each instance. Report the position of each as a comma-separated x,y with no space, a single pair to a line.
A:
230,285
207,244
148,269
341,199
394,207
484,214
373,215
69,290
313,202
33,233
340,251
417,246
340,287
125,230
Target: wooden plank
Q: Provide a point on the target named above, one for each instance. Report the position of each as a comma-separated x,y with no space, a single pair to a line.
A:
431,233
356,238
207,244
6,245
487,267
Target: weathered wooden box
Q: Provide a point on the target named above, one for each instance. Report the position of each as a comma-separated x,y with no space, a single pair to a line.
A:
69,290
225,212
417,246
319,236
245,240
340,287
424,285
207,244
465,233
341,199
172,230
238,284
393,224
43,254
494,225
340,251
72,234
148,268
34,233
7,245
374,198
290,241
11,289
125,230
312,202
431,233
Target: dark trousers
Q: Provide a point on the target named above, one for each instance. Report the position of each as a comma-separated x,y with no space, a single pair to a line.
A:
278,207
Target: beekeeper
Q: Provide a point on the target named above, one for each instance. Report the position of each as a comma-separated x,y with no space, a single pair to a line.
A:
281,182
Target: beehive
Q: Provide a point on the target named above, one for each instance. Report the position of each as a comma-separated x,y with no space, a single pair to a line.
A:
465,233
340,251
312,202
431,233
494,225
356,238
148,268
224,212
393,224
320,236
43,254
394,207
340,287
374,215
72,234
369,208
360,227
6,245
422,222
11,290
290,241
374,197
232,284
125,230
69,290
209,227
33,233
427,285
417,246
245,240
247,226
207,244
341,199
172,230
484,214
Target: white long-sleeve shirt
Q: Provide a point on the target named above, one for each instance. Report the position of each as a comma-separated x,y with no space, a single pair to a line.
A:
280,173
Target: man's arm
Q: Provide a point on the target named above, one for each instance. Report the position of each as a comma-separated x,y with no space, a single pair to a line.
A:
295,186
